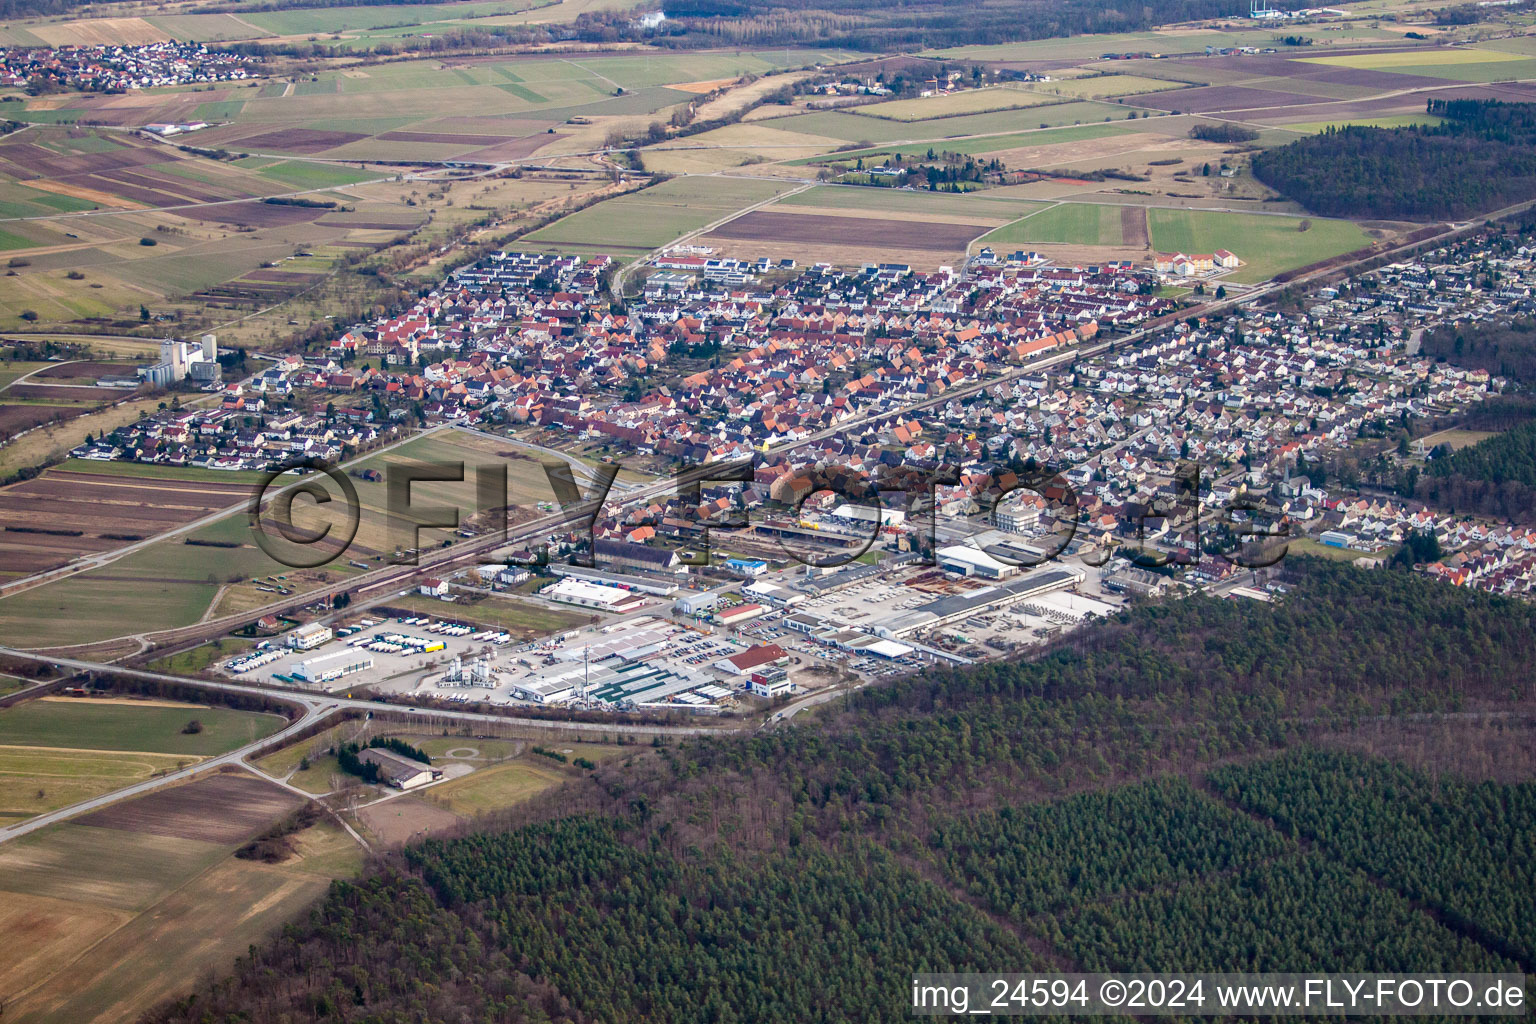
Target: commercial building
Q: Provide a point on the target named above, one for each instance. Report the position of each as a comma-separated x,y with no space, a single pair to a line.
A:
740,613
748,567
327,668
1018,513
968,561
753,659
951,609
623,554
179,360
592,595
309,636
695,602
603,577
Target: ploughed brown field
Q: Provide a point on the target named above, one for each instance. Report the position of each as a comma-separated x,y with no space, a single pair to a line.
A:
26,160
299,140
64,392
791,228
1133,226
283,276
96,505
254,214
87,370
16,418
214,809
512,149
448,138
1225,97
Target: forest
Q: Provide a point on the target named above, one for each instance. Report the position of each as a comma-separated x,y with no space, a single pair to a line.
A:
1496,476
1480,158
1137,796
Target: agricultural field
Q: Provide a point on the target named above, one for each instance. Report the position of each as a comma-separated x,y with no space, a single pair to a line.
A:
1267,245
79,508
968,101
985,145
645,220
218,569
131,725
1401,60
1393,121
856,127
852,225
166,225
1083,223
114,915
1093,87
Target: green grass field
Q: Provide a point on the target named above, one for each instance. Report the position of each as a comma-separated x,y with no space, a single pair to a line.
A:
34,781
521,617
1267,245
980,144
655,216
491,789
1397,121
91,725
200,657
1076,223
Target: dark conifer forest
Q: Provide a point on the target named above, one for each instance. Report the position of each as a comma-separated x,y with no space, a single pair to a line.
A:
1481,158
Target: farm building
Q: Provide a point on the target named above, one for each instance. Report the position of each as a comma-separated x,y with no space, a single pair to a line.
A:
399,771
